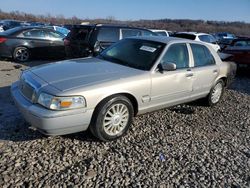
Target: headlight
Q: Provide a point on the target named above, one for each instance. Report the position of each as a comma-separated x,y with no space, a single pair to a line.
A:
61,103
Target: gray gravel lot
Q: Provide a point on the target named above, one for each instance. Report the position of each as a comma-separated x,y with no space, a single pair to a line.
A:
185,146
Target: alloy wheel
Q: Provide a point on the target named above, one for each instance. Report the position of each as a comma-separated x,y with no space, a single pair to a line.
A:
116,119
216,93
22,54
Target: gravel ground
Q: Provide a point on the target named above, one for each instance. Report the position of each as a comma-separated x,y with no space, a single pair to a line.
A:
185,146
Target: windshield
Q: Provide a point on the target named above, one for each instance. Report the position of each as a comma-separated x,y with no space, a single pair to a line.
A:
135,53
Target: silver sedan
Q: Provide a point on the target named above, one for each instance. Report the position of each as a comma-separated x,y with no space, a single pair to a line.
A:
132,77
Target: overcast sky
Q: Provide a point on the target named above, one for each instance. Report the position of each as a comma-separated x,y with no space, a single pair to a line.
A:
220,10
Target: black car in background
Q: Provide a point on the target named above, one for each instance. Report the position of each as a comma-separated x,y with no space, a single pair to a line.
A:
23,43
86,40
223,35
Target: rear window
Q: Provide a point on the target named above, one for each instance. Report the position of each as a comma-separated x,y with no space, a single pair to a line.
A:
242,43
130,33
108,34
207,38
15,24
185,36
161,33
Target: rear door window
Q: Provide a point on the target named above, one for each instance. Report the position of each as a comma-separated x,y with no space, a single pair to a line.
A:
108,34
202,56
40,34
55,35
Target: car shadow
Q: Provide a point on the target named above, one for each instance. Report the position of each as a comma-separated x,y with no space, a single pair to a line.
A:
184,109
34,62
13,127
242,81
85,136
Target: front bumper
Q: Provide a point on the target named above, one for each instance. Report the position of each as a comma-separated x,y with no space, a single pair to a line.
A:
51,122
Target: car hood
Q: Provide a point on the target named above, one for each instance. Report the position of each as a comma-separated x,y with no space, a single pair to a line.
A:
72,74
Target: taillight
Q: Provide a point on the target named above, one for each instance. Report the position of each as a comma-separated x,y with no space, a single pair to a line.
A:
2,39
66,42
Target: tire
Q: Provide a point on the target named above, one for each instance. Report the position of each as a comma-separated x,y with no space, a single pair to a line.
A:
112,118
21,54
216,93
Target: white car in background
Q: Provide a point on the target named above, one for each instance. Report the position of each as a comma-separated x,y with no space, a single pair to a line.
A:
1,28
203,37
160,32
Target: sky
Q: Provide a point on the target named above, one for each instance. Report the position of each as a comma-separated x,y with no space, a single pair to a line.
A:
217,10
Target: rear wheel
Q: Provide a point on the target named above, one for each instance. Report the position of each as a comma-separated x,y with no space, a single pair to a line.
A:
112,118
216,93
21,54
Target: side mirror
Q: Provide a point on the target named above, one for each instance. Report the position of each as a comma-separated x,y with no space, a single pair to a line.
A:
167,66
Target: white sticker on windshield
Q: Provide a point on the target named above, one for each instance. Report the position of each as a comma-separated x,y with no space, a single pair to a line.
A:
148,49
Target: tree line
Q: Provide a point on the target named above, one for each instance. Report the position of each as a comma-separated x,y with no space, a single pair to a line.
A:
238,28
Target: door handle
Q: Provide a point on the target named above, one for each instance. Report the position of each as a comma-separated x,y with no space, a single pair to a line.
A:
189,75
215,71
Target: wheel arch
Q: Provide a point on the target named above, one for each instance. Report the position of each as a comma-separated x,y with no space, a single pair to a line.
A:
131,98
223,78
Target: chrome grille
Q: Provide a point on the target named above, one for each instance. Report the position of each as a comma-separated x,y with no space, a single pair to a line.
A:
26,89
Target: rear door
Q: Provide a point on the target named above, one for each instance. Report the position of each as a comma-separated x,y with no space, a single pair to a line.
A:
37,41
205,69
56,43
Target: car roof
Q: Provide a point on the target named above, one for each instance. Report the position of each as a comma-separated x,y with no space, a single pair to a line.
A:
193,33
17,30
164,39
79,26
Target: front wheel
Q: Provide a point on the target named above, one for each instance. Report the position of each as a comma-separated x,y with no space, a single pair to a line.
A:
216,93
21,54
112,118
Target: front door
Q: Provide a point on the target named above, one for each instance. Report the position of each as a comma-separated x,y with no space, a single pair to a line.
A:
173,87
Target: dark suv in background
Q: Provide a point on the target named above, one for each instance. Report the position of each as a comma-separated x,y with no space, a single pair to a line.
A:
86,40
9,24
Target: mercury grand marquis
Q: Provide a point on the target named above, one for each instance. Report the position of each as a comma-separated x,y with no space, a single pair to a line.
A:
132,77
